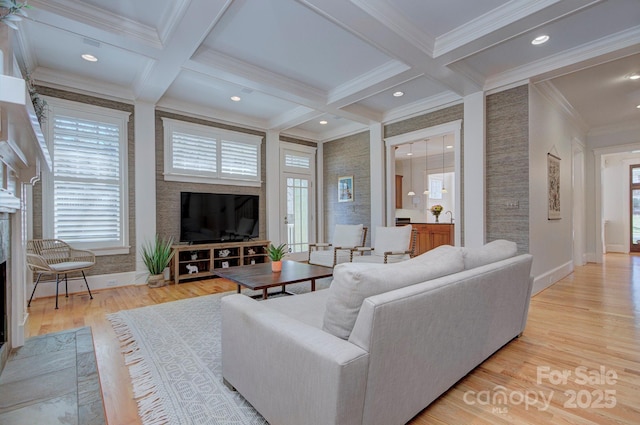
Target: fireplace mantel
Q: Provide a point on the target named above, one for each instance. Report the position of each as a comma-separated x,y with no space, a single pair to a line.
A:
23,155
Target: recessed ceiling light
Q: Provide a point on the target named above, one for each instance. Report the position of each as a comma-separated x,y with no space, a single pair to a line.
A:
89,57
236,98
638,106
324,122
398,94
449,146
540,40
634,76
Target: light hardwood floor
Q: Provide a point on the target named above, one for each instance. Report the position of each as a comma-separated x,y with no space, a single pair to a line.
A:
586,326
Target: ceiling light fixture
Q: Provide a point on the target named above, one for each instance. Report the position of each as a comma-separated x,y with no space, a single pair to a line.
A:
236,98
426,167
444,190
89,57
638,106
540,40
411,192
634,77
398,94
324,122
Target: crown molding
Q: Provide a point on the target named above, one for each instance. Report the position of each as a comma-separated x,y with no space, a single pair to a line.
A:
550,92
77,84
627,39
494,20
98,18
211,114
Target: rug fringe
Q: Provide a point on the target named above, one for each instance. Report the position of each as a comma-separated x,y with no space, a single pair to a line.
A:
145,392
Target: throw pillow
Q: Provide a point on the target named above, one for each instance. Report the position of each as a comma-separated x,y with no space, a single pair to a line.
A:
490,253
353,282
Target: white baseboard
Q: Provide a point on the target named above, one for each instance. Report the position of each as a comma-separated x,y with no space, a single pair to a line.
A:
547,279
47,288
616,248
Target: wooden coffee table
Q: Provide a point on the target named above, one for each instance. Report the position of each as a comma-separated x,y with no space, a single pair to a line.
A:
260,276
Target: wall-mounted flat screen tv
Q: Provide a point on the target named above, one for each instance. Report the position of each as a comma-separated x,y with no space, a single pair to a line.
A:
218,217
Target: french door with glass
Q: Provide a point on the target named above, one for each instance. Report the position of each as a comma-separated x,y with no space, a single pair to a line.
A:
298,196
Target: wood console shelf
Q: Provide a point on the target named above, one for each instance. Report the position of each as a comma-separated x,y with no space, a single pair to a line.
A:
200,260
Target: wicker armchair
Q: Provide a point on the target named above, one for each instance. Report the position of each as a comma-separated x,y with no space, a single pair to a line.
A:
53,256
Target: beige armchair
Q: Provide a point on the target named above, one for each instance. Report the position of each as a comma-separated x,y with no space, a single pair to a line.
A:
345,237
392,244
53,256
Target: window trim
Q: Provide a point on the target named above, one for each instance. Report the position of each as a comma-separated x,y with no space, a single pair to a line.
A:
90,112
171,174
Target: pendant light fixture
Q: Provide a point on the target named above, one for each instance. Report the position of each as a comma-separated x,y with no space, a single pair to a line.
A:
410,154
426,167
444,190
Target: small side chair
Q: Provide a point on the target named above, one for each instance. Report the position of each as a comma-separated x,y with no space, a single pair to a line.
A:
53,256
392,245
345,238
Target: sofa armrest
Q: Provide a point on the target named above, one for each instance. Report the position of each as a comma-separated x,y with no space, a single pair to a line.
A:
291,372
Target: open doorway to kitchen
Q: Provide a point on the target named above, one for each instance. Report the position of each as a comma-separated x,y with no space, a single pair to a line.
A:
634,207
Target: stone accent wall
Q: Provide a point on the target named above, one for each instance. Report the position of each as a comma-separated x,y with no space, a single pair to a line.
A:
507,166
108,263
431,119
168,192
348,156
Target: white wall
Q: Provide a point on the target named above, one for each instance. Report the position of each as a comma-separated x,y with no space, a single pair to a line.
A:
551,241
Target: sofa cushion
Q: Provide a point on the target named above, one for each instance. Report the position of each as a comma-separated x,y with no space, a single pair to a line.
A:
353,282
489,253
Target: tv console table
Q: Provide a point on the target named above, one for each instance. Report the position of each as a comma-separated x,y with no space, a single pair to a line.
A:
201,260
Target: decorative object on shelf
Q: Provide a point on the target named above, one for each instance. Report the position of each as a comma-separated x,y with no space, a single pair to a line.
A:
194,256
252,261
251,251
192,269
225,264
156,256
224,253
436,210
345,189
276,254
11,12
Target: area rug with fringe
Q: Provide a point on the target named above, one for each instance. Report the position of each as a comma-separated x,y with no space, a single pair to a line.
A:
173,354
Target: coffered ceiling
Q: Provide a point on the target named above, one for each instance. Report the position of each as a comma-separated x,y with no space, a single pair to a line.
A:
296,63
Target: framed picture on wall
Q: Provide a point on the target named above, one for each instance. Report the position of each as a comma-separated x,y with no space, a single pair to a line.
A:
345,189
553,182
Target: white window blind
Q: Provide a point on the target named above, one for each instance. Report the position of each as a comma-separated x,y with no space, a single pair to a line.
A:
197,153
297,160
87,193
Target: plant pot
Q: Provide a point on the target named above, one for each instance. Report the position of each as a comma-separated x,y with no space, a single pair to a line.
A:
276,266
156,280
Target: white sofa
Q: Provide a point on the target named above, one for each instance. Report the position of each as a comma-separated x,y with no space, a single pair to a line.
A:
382,343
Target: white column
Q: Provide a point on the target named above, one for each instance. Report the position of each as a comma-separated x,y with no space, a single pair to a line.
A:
273,187
145,181
377,175
474,172
320,192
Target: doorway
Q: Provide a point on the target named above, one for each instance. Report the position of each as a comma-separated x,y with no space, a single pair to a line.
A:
297,197
634,208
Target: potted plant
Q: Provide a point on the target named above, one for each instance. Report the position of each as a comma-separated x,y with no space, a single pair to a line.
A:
275,254
156,256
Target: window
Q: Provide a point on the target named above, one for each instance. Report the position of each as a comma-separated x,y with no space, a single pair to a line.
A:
202,154
85,200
